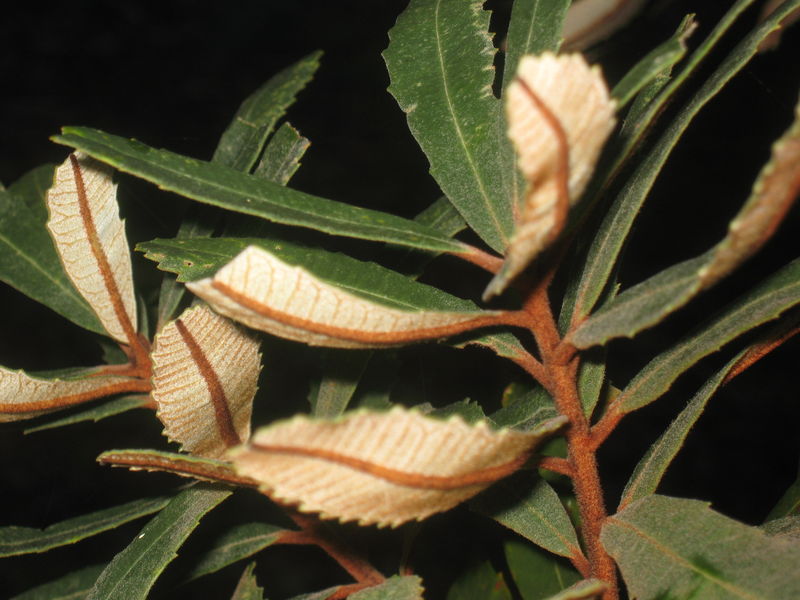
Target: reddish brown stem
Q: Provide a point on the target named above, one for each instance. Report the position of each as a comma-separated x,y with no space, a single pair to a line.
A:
311,533
484,260
556,465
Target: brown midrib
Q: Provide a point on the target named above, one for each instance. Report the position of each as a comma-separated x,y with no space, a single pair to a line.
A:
131,385
219,400
356,335
417,480
100,255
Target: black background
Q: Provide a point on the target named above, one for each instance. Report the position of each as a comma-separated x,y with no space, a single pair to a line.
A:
172,74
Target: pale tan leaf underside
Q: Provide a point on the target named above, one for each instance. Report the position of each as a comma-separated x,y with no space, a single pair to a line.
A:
24,397
554,102
90,239
382,468
263,292
205,375
589,21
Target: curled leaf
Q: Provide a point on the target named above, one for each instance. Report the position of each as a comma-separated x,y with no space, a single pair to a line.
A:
382,468
205,375
589,21
560,113
263,292
24,397
90,239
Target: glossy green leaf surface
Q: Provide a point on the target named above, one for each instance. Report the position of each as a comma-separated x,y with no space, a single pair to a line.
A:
533,511
235,544
526,412
221,186
765,302
26,540
75,585
96,413
398,587
440,65
28,259
133,571
247,587
662,58
698,553
616,226
243,140
538,574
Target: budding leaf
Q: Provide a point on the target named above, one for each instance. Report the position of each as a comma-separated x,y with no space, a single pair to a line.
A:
90,239
263,292
205,375
382,468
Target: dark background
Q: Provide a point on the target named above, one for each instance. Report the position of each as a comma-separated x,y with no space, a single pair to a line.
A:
172,74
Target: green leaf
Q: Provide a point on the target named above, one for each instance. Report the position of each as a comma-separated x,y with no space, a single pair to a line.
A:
247,588
659,60
583,590
789,503
468,410
26,540
96,413
698,553
533,510
133,571
398,587
528,412
341,373
243,140
235,544
75,585
282,155
440,65
28,259
538,574
221,186
616,226
763,303
787,528
535,27
648,473
480,582
195,259
651,301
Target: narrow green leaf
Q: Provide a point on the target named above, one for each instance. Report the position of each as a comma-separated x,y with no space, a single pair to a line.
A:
440,65
28,259
767,301
526,413
698,553
75,585
195,259
616,226
282,155
468,410
133,571
648,473
652,300
659,60
583,590
480,582
533,510
789,503
535,27
538,574
26,540
398,587
96,413
235,544
218,185
243,140
247,588
341,373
